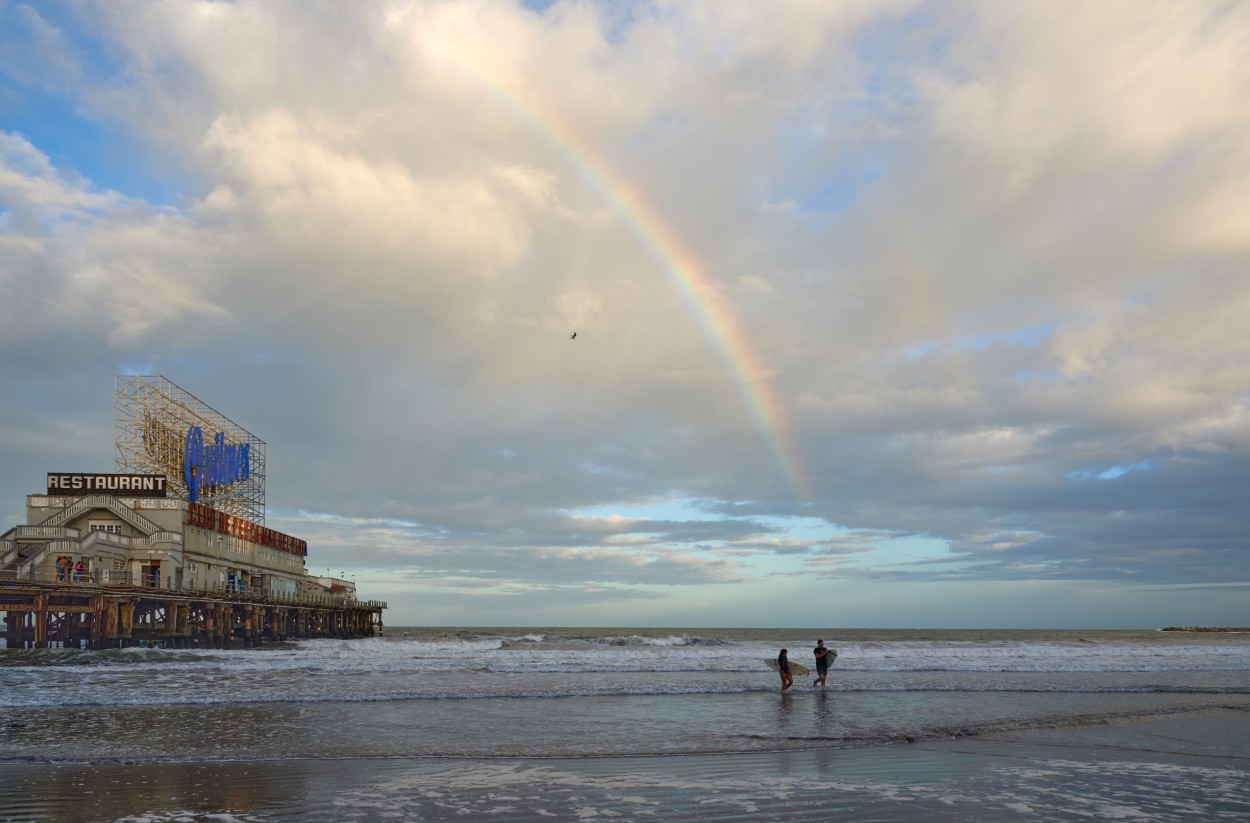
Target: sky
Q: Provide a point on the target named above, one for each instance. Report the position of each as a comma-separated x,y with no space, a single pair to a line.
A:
888,314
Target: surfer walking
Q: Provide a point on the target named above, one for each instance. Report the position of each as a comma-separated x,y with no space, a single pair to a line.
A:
783,668
823,658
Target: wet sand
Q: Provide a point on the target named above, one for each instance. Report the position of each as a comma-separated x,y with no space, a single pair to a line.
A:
1186,767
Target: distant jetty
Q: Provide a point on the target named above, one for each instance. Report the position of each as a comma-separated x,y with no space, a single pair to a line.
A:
1204,629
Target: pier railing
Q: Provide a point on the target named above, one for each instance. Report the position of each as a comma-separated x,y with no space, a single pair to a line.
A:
156,585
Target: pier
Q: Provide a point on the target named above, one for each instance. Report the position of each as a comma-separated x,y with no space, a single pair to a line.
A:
171,549
85,614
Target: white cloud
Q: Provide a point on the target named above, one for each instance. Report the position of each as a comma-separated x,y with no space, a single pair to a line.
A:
311,191
34,192
90,259
977,250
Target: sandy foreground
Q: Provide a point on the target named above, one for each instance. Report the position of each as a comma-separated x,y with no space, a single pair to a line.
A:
1183,767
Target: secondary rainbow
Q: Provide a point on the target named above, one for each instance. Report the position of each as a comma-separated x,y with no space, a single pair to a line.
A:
717,320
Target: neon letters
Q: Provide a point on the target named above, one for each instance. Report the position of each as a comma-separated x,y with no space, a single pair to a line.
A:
217,464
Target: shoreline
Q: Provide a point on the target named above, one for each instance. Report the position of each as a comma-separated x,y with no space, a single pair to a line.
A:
1178,768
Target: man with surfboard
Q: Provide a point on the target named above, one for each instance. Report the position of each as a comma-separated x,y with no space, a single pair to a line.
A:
823,658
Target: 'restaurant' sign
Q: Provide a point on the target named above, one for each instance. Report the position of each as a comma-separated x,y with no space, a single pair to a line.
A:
119,485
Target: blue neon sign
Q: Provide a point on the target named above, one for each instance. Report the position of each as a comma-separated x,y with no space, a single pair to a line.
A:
215,464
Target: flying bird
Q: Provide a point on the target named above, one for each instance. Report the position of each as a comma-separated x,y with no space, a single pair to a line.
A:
573,336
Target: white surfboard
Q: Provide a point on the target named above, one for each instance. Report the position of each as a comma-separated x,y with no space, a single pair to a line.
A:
797,669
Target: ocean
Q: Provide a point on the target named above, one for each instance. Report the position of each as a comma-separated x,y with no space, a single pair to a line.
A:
446,716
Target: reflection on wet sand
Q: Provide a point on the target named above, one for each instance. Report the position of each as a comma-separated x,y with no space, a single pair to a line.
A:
1064,775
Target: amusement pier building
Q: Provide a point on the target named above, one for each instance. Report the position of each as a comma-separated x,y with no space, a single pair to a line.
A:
170,548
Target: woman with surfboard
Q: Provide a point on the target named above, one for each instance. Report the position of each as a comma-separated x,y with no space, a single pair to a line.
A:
783,668
787,669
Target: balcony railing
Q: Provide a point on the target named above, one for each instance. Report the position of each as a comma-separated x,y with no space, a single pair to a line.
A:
106,580
27,532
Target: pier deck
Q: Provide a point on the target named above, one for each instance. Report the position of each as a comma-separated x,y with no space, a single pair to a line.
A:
90,615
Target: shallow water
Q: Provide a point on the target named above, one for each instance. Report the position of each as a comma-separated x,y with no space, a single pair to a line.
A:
1174,769
114,735
572,692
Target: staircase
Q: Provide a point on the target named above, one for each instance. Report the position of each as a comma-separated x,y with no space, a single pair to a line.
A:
102,501
22,548
22,543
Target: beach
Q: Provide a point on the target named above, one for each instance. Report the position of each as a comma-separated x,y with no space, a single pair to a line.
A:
633,725
1190,767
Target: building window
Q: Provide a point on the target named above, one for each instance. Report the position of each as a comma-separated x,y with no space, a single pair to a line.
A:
105,526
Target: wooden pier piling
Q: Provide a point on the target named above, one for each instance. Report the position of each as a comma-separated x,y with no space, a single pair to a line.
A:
90,616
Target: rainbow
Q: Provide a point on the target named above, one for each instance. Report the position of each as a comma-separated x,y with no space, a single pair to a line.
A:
721,327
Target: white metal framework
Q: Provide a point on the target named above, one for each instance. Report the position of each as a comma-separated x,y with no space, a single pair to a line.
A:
151,417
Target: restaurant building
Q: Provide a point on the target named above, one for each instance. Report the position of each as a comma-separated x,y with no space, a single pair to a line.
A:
174,539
